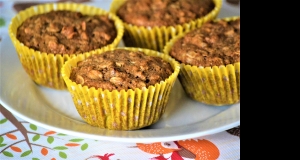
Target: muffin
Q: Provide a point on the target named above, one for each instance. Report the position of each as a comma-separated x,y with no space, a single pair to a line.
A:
210,61
47,35
152,23
121,88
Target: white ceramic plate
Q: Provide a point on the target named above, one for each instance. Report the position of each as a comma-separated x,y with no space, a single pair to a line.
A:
54,110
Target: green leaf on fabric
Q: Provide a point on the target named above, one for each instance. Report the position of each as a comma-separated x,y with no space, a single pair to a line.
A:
76,140
2,22
35,159
3,121
50,139
1,145
36,137
8,154
60,148
84,146
1,139
26,153
61,134
63,155
33,127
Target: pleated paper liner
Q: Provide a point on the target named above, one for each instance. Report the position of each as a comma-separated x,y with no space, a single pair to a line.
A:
155,38
44,68
215,85
121,110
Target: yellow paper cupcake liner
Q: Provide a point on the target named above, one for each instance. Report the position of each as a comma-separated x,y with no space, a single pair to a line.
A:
155,38
121,110
44,68
216,85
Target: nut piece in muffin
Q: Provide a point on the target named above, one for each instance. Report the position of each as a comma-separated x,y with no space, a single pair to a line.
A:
48,34
121,88
121,69
152,23
66,32
210,61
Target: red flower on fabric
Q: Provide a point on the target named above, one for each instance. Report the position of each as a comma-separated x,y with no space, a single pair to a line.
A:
105,157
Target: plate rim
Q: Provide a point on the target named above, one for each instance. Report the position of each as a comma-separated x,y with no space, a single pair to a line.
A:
126,139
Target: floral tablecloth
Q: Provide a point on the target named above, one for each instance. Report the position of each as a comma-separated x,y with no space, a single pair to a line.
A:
20,139
23,140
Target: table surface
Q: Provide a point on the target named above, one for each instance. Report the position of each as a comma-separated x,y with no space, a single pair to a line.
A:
20,139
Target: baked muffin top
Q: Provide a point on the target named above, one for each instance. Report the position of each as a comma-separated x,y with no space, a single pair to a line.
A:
163,12
66,32
215,43
121,69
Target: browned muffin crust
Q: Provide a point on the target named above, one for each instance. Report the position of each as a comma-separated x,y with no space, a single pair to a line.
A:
163,12
121,69
215,43
66,32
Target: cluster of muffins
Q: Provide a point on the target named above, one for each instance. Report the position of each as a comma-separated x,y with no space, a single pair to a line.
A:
74,47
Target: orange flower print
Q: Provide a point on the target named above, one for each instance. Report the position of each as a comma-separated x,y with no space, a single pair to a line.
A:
194,149
162,148
203,149
156,148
